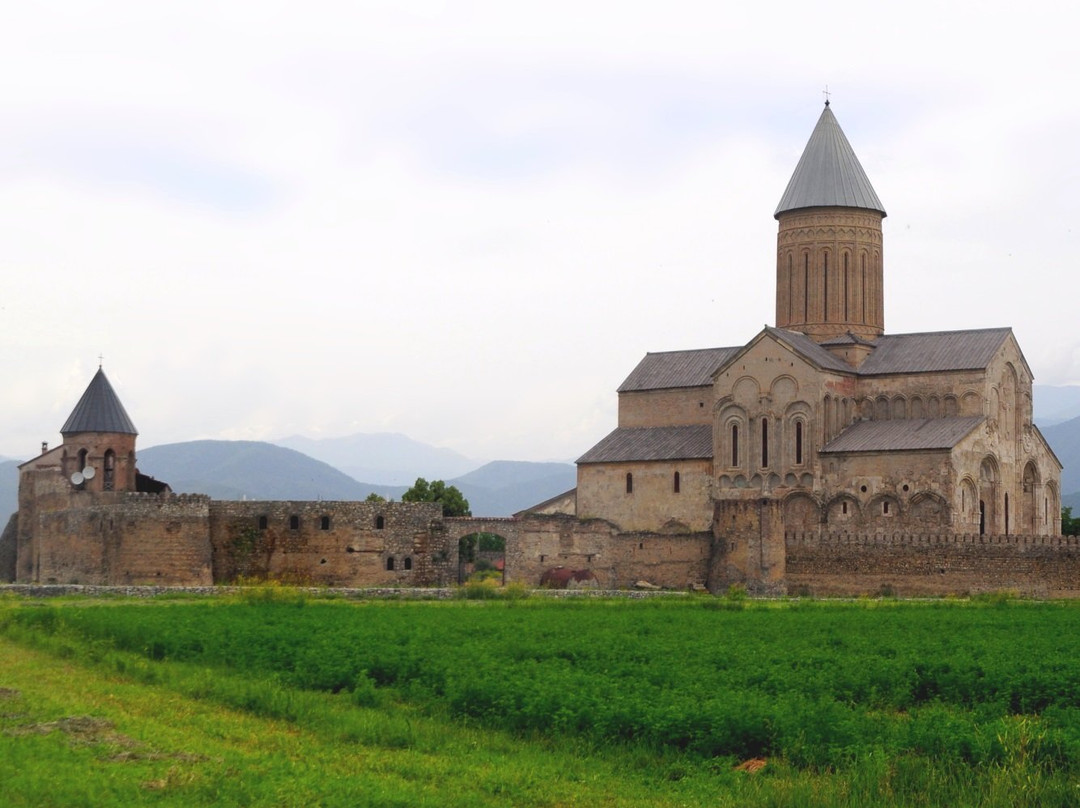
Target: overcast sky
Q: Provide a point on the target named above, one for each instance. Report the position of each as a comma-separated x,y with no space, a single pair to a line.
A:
468,221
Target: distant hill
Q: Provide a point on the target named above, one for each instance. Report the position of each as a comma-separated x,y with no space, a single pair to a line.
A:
1054,405
383,458
256,470
9,489
246,469
504,487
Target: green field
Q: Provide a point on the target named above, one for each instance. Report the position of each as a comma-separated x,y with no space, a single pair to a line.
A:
277,698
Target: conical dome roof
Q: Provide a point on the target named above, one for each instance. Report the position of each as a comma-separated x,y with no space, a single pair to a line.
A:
99,410
829,173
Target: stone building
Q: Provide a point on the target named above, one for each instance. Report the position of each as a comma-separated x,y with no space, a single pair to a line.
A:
86,515
825,422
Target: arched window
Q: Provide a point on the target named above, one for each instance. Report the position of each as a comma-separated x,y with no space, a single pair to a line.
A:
110,470
1006,514
82,459
764,442
676,482
294,522
825,296
798,443
845,287
806,286
380,523
324,522
629,483
734,444
390,564
408,562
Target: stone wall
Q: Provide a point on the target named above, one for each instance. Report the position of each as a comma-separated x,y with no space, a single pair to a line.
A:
332,543
684,406
947,564
652,503
120,539
537,543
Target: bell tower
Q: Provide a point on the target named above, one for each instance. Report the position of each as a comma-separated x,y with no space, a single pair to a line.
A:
99,440
829,247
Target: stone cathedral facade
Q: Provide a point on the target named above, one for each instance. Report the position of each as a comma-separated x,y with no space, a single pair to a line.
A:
825,422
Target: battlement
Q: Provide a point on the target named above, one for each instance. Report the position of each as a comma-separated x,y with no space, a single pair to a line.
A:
798,539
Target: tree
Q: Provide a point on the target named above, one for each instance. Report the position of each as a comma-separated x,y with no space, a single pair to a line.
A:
1070,525
452,500
373,497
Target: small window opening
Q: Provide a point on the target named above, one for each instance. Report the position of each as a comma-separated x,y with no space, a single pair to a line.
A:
862,488
541,559
629,483
843,507
390,564
294,522
82,459
798,443
676,482
734,444
884,507
263,522
324,523
764,442
380,522
408,562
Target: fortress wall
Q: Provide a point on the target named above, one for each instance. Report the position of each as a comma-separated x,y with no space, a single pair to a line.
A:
332,543
932,564
122,538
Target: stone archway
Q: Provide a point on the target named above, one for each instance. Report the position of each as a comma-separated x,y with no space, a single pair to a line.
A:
482,557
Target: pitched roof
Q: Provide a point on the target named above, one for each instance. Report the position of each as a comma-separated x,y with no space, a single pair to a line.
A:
829,174
99,410
934,351
810,349
661,371
903,434
652,443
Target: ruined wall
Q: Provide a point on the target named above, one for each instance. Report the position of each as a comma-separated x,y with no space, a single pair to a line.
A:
651,504
333,543
684,406
618,559
912,564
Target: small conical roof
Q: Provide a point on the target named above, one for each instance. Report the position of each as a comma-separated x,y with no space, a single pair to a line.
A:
829,173
99,410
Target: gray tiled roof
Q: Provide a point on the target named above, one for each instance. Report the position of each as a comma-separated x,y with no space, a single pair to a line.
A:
669,369
904,434
811,350
829,174
934,351
99,410
652,443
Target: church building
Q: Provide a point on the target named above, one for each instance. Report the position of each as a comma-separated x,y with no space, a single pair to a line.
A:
825,422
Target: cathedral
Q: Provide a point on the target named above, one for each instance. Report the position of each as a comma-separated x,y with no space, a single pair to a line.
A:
825,422
824,456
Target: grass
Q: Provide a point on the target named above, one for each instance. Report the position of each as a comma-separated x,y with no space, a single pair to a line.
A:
85,721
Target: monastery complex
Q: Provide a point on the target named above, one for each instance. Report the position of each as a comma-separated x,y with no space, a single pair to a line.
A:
823,456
